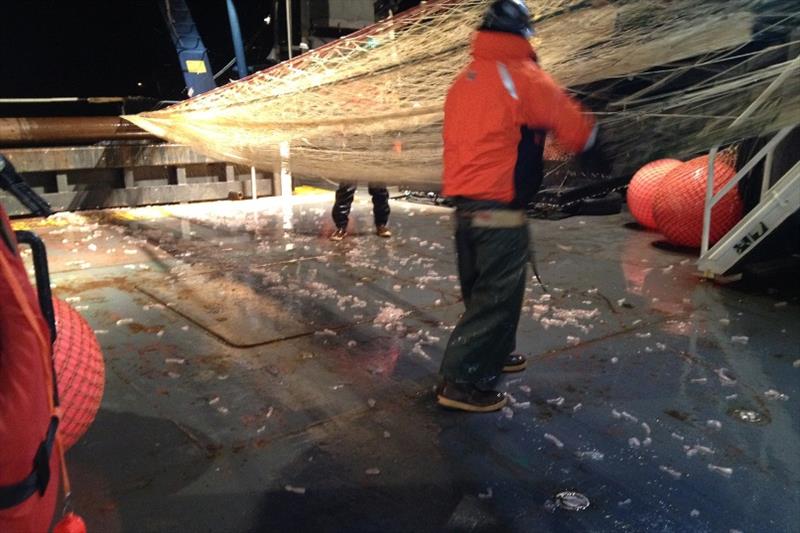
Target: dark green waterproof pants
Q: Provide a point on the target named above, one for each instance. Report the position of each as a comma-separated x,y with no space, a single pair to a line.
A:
344,201
492,266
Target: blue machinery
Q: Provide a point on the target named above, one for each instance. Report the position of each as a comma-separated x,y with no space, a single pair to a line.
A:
236,33
192,53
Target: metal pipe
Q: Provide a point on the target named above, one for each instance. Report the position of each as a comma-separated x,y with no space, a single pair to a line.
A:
767,177
305,25
66,99
713,198
289,26
752,163
284,151
275,53
253,182
20,131
238,45
712,158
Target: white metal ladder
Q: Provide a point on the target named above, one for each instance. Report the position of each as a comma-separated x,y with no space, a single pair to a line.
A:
777,203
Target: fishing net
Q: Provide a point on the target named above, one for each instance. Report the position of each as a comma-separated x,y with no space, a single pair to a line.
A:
664,79
80,372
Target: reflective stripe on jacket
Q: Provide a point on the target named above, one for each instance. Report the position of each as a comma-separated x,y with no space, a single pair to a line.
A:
496,115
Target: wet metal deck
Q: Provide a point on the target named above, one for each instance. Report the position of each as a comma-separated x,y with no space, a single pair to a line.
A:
262,378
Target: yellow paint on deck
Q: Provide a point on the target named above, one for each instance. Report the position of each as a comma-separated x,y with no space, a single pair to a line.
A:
308,190
27,224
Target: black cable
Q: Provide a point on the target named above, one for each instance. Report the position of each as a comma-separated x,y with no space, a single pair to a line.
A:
13,183
42,276
532,261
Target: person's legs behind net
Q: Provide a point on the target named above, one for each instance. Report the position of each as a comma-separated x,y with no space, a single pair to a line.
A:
341,209
380,210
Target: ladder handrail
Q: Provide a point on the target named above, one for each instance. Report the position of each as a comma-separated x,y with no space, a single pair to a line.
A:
709,203
713,198
751,229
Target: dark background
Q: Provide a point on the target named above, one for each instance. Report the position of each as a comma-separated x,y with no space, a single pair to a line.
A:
51,48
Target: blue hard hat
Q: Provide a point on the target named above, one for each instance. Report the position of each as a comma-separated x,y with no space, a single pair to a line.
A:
510,16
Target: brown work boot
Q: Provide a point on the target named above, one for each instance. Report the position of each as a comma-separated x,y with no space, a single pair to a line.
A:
515,362
467,397
338,235
383,231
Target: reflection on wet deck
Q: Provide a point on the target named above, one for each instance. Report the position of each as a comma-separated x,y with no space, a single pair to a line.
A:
262,378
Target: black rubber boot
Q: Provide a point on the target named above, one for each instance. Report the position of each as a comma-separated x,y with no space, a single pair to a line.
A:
338,235
380,205
492,269
516,362
341,207
467,397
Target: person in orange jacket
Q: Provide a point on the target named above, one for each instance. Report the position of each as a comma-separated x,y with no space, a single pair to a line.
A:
497,114
29,463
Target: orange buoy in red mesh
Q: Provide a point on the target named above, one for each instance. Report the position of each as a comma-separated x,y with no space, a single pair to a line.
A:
552,151
643,187
680,199
71,523
80,372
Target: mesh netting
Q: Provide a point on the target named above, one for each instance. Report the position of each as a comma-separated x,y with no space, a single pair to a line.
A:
664,78
80,373
680,199
642,189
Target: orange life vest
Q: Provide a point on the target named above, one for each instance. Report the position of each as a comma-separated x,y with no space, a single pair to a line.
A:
27,411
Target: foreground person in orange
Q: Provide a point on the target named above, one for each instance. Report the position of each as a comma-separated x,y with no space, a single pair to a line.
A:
29,463
497,114
31,451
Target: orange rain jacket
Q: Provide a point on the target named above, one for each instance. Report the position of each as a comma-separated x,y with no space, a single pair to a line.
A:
496,116
26,380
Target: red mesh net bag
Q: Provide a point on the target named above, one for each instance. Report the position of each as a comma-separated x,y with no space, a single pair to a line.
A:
643,187
553,152
679,201
80,372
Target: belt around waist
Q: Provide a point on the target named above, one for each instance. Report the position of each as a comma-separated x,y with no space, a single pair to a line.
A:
496,218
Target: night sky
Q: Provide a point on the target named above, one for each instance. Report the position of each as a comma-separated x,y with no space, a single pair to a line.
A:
52,48
83,48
